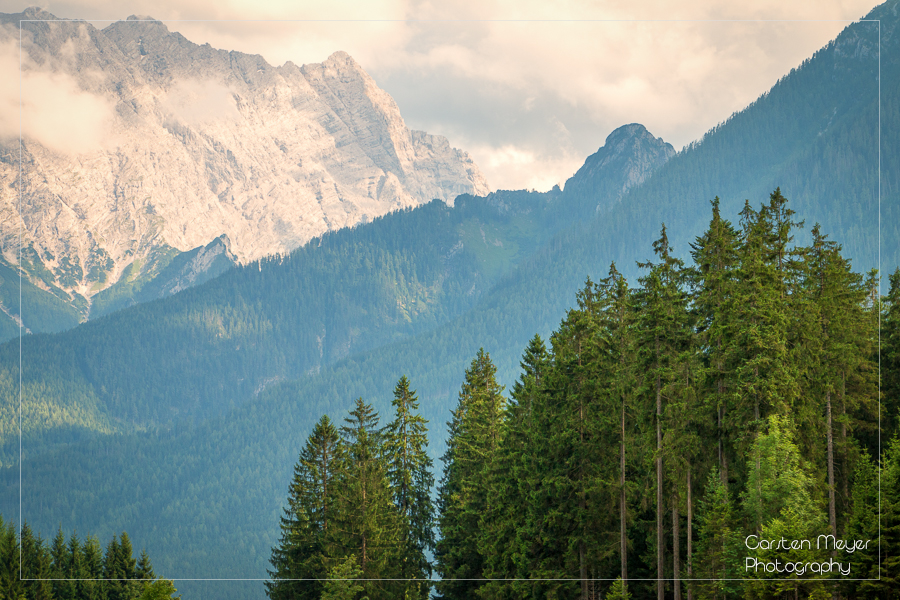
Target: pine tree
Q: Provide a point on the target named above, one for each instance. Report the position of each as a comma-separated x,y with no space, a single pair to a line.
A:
767,378
890,359
342,581
713,277
10,585
506,540
617,366
409,470
780,496
664,336
366,522
837,354
302,552
36,566
718,546
462,494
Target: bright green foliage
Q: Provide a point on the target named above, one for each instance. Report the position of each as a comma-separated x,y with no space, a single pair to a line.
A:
617,591
888,572
719,549
463,493
160,589
411,477
766,376
780,496
890,359
863,525
342,584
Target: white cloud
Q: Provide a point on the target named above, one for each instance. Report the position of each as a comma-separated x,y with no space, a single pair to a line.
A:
482,74
54,111
200,102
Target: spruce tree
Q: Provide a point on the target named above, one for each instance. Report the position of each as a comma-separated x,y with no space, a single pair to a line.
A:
664,337
302,552
506,540
409,471
890,359
713,278
462,494
366,522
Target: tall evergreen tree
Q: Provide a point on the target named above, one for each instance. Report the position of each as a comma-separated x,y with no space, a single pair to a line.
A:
462,494
366,522
506,540
300,558
409,470
713,277
664,336
890,359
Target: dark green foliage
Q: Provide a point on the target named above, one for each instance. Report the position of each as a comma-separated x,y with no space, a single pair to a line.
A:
890,359
463,490
411,477
74,570
366,523
302,553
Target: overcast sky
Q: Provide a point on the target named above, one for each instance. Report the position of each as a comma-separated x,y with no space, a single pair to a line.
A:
529,89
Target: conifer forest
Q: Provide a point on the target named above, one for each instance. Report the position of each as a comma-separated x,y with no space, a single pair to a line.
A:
720,430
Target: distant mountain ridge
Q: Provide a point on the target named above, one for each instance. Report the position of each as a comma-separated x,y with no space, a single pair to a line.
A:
197,143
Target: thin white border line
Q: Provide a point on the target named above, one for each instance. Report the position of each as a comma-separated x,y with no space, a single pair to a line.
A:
21,226
878,304
21,311
798,579
450,21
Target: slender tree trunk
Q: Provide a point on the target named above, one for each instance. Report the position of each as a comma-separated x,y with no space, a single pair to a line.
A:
660,556
690,535
845,475
758,482
832,513
583,574
676,545
723,458
623,543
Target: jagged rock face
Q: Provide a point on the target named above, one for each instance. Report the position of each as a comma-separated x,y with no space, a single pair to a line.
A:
631,154
188,143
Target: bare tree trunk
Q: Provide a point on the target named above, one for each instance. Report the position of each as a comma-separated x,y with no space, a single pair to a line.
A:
584,578
660,557
690,535
623,541
832,513
676,545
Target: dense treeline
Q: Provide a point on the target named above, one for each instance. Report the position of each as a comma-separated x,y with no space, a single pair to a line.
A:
77,569
666,432
359,507
666,423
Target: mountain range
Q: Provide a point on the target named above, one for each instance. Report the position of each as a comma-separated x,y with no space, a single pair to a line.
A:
199,403
189,144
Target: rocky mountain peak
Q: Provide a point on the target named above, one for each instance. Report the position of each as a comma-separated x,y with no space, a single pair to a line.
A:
629,155
200,142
